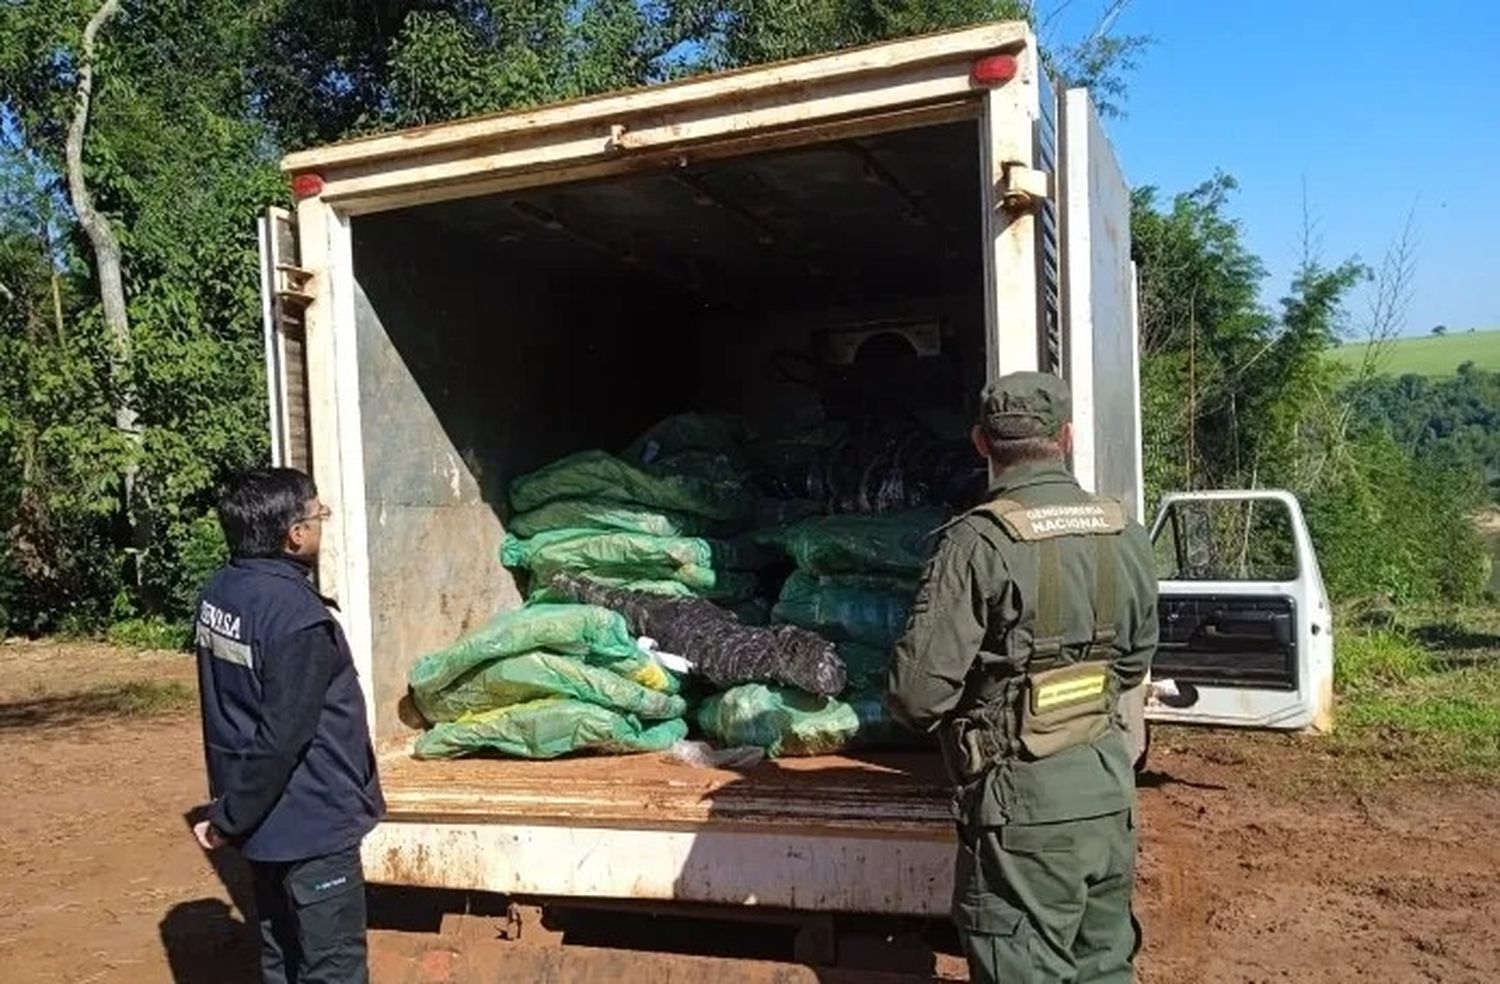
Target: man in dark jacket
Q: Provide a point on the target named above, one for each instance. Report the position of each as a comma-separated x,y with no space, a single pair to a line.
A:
1037,610
290,765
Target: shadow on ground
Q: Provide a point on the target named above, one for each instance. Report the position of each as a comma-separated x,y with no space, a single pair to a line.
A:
131,699
1457,646
210,941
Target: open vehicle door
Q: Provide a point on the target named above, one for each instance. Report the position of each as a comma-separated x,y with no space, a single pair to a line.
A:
1246,629
1100,328
283,297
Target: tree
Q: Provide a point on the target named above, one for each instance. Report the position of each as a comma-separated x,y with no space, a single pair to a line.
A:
1440,330
754,31
175,164
107,263
1235,395
139,142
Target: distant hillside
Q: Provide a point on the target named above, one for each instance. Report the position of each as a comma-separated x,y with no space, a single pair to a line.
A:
1430,355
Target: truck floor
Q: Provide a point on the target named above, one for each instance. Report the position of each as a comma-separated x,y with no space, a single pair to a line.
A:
893,791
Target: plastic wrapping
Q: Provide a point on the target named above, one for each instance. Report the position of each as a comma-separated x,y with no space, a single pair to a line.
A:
692,443
520,679
891,545
705,756
596,635
781,720
599,514
877,729
721,494
712,568
868,666
870,610
546,729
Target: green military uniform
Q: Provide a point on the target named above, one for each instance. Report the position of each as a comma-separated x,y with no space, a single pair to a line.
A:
1036,611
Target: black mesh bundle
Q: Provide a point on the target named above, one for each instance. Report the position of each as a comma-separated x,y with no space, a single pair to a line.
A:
877,466
723,650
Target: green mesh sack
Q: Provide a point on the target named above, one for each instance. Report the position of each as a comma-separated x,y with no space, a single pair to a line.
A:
890,543
782,720
732,589
693,443
547,729
545,594
598,514
707,566
877,728
847,608
868,666
596,475
596,635
518,679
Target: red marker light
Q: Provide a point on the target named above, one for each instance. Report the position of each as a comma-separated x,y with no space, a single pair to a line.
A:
307,185
994,70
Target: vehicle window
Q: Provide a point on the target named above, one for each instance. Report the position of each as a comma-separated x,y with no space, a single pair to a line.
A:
1227,540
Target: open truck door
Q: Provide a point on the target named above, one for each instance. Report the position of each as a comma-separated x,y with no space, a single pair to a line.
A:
283,295
1246,629
1100,334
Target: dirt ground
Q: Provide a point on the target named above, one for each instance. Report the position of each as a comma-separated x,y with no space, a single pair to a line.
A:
1261,860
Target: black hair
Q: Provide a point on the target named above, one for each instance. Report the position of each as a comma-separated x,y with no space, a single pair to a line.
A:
1025,450
260,507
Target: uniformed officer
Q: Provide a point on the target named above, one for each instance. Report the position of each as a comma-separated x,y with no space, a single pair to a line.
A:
290,766
1036,611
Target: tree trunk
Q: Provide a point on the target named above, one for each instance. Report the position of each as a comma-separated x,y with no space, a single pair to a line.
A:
106,248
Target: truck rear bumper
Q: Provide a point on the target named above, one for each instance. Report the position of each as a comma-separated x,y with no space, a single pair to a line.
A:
829,834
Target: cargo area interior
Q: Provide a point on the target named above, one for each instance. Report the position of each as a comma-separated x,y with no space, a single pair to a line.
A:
496,334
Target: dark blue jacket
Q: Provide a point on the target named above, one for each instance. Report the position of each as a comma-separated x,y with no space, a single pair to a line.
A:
290,765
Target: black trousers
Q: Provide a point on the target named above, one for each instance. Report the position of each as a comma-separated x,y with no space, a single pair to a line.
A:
312,920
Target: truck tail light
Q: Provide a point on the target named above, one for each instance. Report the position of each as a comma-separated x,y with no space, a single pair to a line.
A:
307,185
993,70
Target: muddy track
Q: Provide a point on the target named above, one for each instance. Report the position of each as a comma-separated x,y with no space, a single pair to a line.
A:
1259,861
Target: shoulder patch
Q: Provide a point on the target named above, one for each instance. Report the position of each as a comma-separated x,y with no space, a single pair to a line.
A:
1102,517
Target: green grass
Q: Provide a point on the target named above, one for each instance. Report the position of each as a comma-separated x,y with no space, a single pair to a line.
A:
1424,696
1378,657
149,634
1429,355
141,698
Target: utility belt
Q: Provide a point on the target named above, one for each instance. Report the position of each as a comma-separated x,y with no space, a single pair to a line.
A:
1036,716
1065,697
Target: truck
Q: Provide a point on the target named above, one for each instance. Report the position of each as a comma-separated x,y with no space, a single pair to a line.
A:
452,306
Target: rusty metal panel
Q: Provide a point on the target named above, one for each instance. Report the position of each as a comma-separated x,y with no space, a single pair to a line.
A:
813,871
869,834
891,795
433,533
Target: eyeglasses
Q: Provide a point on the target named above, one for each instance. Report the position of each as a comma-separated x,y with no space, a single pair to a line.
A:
323,513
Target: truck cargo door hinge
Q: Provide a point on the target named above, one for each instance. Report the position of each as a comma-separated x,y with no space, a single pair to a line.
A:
620,138
293,283
1022,187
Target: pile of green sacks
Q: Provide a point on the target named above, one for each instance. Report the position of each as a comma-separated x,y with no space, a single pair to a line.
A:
672,514
545,681
663,516
854,582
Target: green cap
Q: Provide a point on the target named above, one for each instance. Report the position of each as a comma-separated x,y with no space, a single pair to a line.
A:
1020,405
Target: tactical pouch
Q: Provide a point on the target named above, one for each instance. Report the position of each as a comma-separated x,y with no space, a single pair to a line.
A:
963,751
1066,707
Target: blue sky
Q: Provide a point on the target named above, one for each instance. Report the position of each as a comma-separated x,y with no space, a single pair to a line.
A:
1380,107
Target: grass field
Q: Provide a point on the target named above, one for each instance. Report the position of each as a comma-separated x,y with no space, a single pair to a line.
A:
1430,355
1423,693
